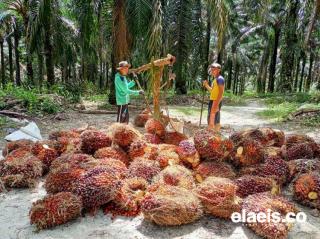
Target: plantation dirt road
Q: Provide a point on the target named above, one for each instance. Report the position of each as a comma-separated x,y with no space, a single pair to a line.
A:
15,205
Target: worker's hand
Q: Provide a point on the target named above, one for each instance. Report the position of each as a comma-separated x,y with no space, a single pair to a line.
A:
141,92
205,83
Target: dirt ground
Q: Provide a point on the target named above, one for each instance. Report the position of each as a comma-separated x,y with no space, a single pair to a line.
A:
15,205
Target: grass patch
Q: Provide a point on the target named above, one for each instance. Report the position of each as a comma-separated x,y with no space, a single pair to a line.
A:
280,111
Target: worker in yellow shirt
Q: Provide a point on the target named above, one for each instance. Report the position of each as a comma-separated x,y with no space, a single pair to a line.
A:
216,94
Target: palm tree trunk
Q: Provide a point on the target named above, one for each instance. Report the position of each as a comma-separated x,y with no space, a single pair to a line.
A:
262,69
17,56
304,60
40,70
273,63
296,81
3,70
9,42
229,81
309,78
207,46
313,17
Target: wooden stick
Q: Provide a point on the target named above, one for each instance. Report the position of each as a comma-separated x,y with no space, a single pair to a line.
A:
14,114
169,60
97,112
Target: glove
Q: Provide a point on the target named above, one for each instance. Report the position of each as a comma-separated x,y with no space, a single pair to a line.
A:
141,92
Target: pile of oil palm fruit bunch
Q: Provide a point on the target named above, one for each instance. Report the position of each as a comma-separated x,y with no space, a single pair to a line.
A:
167,177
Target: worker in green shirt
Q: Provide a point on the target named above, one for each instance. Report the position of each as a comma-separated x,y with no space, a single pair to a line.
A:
123,92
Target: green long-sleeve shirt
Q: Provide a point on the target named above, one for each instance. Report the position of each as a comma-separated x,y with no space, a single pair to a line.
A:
123,90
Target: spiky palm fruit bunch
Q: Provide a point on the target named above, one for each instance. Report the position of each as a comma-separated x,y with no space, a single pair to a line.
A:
154,126
300,166
265,136
296,139
72,160
307,189
152,138
55,135
268,204
137,149
167,155
171,206
124,135
22,143
130,193
174,138
298,151
210,145
66,145
143,168
112,152
97,186
45,151
274,167
249,184
218,196
188,154
18,181
115,164
63,180
210,168
248,152
21,161
54,210
175,175
92,140
141,119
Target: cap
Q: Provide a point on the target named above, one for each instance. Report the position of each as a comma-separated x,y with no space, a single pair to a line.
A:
123,64
215,65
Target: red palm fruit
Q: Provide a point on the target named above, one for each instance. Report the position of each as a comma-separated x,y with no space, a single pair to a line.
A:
92,140
45,151
298,151
294,139
274,167
174,138
124,135
55,210
55,135
97,186
112,152
66,145
21,161
22,143
141,119
210,145
63,180
17,181
154,126
307,189
248,152
268,204
249,184
214,169
130,193
152,138
171,206
143,168
188,153
218,196
175,175
300,166
137,149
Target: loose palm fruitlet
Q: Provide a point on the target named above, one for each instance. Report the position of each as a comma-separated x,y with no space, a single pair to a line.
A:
250,184
22,143
143,168
265,136
248,152
210,168
92,140
124,135
268,204
274,167
141,119
171,206
55,210
210,145
21,161
175,175
112,152
152,138
218,196
300,166
188,153
154,126
97,186
174,138
129,194
307,189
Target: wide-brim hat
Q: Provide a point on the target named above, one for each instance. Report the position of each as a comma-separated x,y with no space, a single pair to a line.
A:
123,64
215,65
